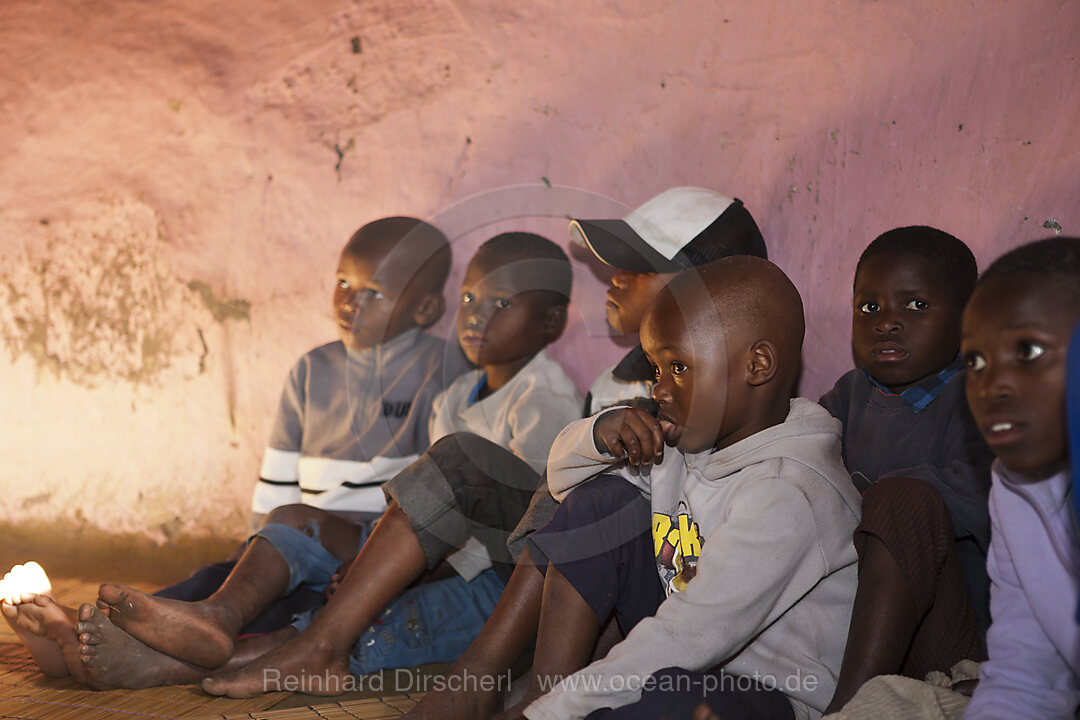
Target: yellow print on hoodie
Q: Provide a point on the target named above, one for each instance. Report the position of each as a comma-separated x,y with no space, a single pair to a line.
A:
676,545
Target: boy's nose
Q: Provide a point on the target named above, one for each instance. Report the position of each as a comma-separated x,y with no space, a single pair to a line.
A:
888,325
660,392
992,385
621,279
354,302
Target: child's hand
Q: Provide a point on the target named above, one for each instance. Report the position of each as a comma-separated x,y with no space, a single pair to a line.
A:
630,433
336,578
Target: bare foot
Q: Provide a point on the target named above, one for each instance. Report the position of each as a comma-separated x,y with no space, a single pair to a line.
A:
188,631
47,629
464,702
113,659
250,649
302,664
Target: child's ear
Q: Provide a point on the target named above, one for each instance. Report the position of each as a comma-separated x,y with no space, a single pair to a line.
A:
554,322
429,311
762,365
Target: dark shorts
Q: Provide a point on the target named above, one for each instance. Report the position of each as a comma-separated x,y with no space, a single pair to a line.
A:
909,517
465,486
600,540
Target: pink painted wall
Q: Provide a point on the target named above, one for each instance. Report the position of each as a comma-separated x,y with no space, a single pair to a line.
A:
172,201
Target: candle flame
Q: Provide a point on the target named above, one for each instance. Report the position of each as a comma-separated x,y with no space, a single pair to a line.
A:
23,582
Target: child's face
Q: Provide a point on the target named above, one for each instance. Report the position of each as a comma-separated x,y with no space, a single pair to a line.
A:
1014,342
692,386
905,324
498,323
629,297
373,300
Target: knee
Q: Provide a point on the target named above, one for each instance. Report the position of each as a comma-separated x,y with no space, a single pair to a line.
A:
299,517
908,516
907,497
605,492
459,445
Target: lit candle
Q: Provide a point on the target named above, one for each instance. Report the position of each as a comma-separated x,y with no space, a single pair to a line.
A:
24,582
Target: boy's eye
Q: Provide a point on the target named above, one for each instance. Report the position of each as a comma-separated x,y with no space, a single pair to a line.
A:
678,368
1028,351
467,297
917,305
342,284
374,294
869,307
656,371
501,303
975,362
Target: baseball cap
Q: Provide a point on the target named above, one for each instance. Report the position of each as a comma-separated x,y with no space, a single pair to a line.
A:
680,228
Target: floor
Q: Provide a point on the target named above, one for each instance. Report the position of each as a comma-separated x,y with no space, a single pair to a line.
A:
25,694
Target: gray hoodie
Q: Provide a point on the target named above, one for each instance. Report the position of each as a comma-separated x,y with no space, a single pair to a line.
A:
768,524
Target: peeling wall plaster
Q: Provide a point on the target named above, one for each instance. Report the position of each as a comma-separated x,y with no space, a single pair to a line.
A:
97,301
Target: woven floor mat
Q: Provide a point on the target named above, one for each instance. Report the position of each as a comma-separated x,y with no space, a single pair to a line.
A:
384,708
27,694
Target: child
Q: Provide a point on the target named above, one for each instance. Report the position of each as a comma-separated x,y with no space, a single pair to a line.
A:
679,228
513,303
352,413
1016,331
355,412
913,449
750,512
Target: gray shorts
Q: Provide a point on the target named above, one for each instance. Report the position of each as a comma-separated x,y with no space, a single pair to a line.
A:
466,486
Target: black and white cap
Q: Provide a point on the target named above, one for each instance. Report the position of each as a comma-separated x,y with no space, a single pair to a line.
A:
678,229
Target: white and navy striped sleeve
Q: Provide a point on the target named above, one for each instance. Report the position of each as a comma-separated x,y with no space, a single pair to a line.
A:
279,476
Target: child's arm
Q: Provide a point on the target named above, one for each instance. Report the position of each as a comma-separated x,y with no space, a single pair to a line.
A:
279,475
1025,676
753,567
581,450
439,422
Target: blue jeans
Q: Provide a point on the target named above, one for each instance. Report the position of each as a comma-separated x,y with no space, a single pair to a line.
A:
428,623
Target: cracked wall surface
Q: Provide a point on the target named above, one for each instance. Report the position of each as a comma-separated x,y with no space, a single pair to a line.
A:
178,178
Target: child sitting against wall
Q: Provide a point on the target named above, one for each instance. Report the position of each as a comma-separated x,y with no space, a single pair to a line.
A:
730,550
914,451
1015,338
513,303
355,412
680,228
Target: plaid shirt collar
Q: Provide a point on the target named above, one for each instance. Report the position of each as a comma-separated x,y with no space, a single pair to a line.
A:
921,394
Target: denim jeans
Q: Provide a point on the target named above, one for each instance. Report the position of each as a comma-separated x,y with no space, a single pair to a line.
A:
433,622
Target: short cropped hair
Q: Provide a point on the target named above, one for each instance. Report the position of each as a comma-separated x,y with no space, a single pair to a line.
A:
557,273
955,259
1055,259
420,242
